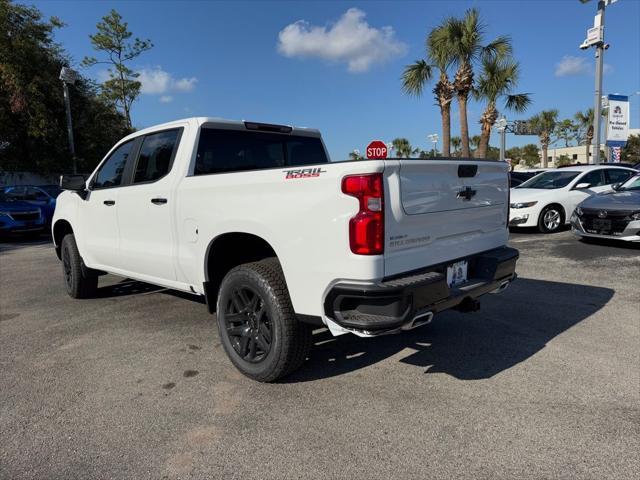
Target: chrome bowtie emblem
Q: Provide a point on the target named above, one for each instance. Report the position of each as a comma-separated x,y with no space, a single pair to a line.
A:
466,193
602,214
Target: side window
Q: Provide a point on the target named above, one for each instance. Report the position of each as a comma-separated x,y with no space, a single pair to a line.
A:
156,155
617,175
110,173
593,178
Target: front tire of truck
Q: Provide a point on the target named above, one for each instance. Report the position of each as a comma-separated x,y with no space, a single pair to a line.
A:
79,281
257,324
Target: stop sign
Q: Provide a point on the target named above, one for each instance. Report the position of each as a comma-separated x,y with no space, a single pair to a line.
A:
377,150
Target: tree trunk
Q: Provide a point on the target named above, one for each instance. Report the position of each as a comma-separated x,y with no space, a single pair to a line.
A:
464,126
487,121
445,113
589,140
544,155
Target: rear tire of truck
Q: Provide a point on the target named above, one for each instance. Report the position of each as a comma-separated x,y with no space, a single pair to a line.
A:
257,324
79,281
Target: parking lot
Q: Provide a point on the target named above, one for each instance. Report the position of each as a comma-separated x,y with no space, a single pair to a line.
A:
542,382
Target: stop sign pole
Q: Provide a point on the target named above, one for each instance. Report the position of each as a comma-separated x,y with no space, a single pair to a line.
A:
377,150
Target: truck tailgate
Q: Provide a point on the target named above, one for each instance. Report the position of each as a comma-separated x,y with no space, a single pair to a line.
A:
441,210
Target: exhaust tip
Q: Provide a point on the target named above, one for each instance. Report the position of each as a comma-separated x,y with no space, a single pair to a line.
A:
419,320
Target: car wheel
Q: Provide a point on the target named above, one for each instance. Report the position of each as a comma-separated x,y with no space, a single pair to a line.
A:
257,325
551,219
79,281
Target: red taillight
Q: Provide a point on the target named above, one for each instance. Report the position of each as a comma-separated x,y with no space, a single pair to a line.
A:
366,229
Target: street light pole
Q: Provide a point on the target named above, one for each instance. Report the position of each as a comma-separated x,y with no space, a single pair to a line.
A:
67,104
69,77
434,138
502,128
595,38
597,109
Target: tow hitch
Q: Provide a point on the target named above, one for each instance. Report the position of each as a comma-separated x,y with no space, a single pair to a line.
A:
468,305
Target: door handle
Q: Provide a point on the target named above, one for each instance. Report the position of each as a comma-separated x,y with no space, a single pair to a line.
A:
158,201
109,202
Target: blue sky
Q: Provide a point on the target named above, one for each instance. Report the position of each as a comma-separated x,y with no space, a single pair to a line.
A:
229,59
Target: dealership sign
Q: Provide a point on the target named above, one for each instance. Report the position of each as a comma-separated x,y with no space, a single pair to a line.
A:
618,121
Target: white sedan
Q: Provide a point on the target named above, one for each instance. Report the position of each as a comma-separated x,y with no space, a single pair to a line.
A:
547,200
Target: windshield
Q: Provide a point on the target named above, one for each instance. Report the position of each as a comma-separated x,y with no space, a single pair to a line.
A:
550,180
632,184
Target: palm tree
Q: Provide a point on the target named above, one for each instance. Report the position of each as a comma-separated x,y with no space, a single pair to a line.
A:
463,38
402,147
475,142
455,143
417,74
544,123
497,80
585,124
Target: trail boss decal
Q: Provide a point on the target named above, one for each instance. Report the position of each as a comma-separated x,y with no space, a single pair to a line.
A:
303,173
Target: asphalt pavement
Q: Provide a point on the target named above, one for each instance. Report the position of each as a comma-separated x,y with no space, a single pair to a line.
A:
542,382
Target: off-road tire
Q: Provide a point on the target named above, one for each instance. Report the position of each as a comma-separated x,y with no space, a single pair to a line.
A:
291,340
79,281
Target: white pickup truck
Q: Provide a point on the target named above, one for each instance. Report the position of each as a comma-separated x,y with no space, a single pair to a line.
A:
278,239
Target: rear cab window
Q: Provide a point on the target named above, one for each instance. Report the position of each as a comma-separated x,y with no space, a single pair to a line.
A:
224,151
156,155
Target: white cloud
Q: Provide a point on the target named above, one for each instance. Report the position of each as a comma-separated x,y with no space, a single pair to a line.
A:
166,99
570,65
156,81
350,40
185,84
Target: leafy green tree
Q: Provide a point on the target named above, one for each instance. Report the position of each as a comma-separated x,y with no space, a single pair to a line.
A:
563,160
416,75
631,152
514,154
113,39
463,39
32,114
529,155
497,80
566,130
402,147
355,155
544,123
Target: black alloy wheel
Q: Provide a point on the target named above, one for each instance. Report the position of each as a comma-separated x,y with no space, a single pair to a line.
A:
248,324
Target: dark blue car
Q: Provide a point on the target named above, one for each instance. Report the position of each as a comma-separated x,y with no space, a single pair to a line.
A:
19,217
43,196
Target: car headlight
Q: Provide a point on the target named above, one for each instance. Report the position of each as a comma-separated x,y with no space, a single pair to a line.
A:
522,204
578,211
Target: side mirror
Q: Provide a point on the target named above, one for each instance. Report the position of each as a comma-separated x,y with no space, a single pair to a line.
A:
75,183
582,186
616,186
